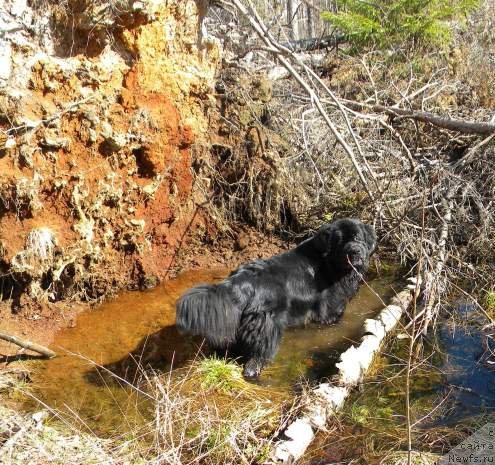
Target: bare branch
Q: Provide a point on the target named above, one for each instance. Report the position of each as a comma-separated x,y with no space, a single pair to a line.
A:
27,344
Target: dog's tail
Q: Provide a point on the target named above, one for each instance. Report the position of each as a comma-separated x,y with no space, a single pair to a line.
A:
209,311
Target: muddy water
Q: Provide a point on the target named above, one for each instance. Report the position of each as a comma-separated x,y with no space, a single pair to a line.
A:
139,326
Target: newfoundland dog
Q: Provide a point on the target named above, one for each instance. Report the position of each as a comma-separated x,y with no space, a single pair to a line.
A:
248,311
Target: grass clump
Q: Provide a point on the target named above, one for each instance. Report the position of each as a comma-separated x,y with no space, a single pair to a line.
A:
489,303
220,374
210,411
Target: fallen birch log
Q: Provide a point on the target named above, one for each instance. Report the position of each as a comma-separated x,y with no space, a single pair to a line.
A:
325,400
27,345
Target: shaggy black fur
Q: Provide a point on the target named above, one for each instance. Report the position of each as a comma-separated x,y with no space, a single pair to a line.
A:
249,310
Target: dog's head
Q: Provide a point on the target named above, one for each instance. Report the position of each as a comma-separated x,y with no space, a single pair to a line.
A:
347,243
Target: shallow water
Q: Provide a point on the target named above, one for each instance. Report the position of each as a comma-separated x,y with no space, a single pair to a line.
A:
468,366
139,326
453,391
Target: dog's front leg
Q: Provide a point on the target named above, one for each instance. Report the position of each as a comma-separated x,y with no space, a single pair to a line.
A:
331,306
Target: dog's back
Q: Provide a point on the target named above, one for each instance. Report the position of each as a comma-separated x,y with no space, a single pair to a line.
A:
249,310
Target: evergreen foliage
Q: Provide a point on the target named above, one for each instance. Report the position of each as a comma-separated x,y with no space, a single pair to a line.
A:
384,23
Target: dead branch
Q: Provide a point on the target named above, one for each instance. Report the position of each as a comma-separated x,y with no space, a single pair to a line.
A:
472,152
433,279
27,344
465,127
281,53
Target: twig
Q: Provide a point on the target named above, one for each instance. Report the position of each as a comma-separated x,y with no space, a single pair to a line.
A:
27,345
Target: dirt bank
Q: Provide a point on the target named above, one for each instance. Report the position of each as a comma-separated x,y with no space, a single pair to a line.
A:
103,112
99,111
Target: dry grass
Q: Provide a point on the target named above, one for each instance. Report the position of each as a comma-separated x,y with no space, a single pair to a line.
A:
212,415
203,413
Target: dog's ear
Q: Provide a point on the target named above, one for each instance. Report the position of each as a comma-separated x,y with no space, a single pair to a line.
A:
324,238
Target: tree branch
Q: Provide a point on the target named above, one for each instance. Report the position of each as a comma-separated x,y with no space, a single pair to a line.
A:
465,127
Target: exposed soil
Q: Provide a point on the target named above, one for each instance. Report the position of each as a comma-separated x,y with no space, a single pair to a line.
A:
102,133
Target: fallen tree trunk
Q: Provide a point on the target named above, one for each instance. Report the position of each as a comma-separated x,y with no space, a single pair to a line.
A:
328,398
465,127
27,345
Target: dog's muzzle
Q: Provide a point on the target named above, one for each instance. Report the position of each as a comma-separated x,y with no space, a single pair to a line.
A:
356,254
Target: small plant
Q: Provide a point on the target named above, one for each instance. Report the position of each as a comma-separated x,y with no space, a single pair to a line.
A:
384,23
359,414
489,302
220,374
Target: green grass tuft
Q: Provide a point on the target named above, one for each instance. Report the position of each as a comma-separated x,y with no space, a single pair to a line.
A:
221,375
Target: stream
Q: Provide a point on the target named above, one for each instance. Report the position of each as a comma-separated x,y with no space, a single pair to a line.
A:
140,327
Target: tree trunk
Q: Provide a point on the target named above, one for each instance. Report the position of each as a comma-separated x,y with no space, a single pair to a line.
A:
292,10
310,22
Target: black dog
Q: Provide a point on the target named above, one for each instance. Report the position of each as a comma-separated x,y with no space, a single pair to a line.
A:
248,311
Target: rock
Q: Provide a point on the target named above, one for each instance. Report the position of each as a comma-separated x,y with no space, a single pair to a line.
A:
115,142
92,136
52,140
92,117
106,130
5,63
